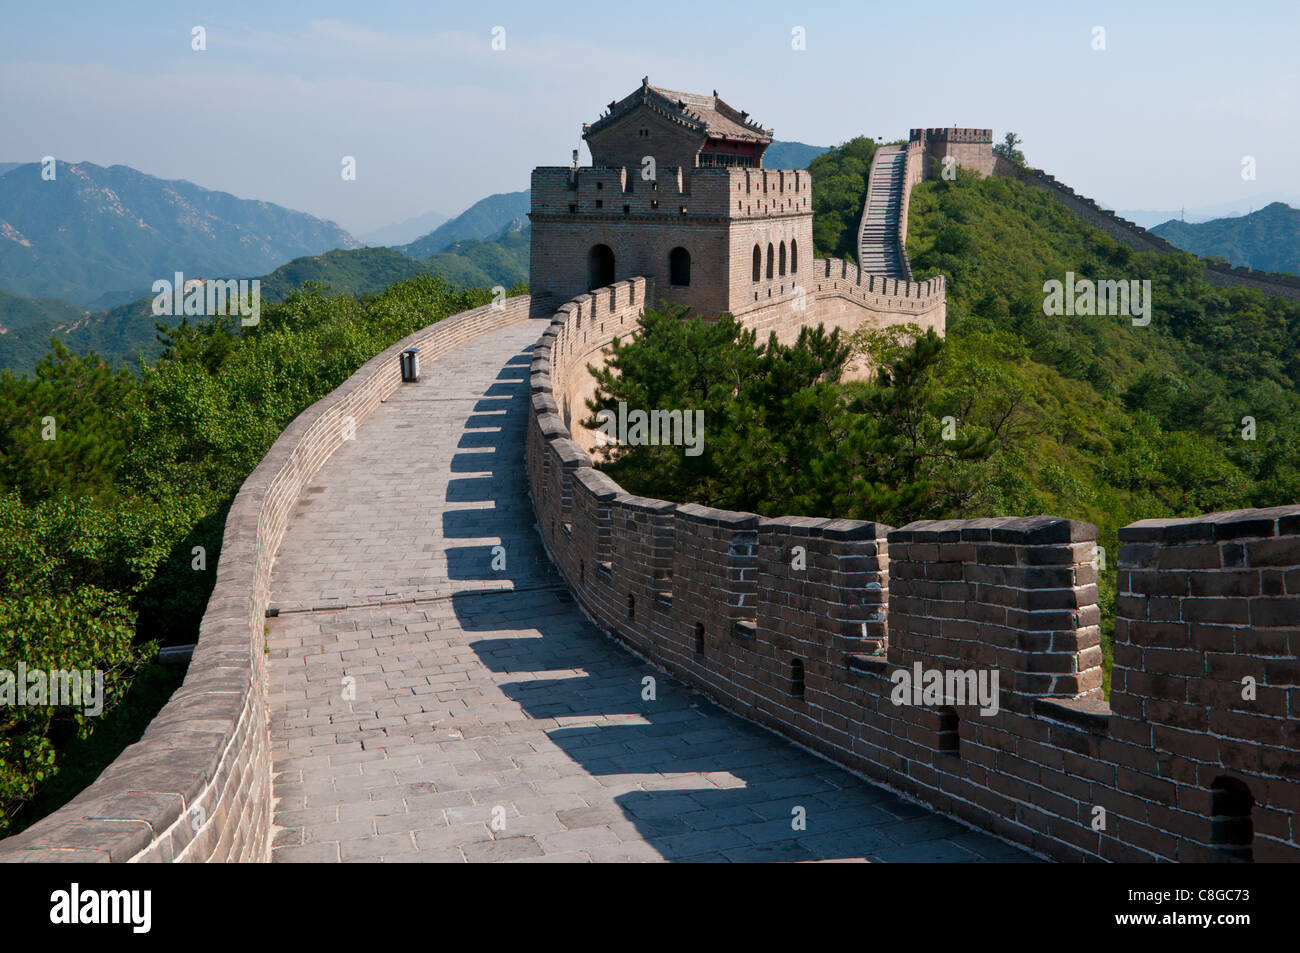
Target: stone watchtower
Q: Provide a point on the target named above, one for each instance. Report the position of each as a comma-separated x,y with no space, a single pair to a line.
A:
676,192
969,148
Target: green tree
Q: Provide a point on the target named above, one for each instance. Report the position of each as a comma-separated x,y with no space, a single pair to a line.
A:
1007,149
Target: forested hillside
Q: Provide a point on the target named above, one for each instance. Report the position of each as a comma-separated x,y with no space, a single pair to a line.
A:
25,325
93,233
839,190
1267,239
484,219
113,494
120,334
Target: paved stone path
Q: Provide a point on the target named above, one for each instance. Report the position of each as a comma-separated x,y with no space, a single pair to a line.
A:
488,720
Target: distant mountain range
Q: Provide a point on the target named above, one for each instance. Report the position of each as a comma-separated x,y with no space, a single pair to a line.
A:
405,231
791,155
119,333
96,236
1149,218
1268,239
485,218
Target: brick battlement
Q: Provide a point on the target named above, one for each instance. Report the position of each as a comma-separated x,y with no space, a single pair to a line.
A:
723,193
952,134
807,626
836,274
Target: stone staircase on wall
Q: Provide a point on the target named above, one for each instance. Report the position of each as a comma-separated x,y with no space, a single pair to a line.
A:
879,252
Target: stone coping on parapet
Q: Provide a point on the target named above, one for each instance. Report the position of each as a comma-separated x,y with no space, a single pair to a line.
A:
1023,530
1228,525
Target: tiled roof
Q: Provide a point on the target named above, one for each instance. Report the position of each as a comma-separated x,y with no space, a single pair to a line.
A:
708,114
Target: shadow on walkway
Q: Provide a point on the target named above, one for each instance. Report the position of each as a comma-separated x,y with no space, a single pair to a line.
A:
694,781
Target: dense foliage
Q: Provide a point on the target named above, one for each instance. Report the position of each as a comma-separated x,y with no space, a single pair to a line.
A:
110,483
782,435
1088,417
839,191
1008,149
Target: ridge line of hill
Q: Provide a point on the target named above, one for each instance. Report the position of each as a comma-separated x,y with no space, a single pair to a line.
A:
1141,239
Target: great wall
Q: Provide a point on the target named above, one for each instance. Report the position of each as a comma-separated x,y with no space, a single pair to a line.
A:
800,625
1178,763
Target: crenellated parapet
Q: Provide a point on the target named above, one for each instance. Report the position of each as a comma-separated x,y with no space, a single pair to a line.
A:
951,134
721,193
835,275
957,662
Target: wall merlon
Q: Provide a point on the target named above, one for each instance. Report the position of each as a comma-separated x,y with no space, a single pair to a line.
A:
951,134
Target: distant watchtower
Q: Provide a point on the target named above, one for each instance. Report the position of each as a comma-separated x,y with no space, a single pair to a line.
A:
969,148
676,191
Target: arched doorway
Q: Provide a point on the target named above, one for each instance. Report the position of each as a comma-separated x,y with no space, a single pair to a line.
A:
679,267
600,267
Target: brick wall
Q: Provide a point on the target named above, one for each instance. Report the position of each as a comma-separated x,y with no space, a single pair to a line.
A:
1206,638
808,626
197,785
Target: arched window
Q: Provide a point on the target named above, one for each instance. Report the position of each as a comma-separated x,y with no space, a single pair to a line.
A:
771,260
600,267
758,263
781,267
679,267
794,257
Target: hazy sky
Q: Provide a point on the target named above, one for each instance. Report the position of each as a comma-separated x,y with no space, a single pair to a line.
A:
436,118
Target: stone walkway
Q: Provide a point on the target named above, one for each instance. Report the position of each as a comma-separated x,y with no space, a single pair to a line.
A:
429,704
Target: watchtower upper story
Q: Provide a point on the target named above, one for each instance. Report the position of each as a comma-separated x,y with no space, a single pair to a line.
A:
685,130
720,241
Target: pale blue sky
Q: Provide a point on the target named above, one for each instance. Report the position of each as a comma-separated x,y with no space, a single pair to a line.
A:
438,119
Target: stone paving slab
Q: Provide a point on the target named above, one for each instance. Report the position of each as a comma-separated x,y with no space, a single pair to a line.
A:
426,706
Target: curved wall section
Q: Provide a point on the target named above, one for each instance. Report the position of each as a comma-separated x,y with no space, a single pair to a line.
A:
815,628
832,292
197,785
